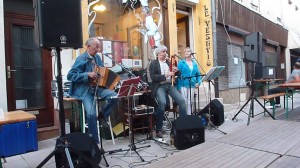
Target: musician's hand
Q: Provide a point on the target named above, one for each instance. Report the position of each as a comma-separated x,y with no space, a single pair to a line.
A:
92,75
169,74
175,69
196,85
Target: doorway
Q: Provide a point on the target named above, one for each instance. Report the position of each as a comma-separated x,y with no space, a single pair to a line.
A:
184,27
28,70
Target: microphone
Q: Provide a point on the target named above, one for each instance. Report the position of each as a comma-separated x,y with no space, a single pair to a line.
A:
105,54
178,56
192,53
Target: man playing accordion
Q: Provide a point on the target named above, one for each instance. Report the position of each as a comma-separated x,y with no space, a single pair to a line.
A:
82,76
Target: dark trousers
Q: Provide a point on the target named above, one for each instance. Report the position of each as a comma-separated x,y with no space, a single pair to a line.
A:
274,91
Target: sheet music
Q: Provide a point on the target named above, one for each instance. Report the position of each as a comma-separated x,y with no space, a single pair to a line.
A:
213,73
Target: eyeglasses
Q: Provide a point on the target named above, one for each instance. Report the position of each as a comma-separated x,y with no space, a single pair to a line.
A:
96,47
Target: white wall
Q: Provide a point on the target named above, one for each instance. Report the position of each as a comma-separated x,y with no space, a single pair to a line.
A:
3,90
67,61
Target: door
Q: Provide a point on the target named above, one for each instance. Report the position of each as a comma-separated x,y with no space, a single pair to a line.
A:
184,27
28,70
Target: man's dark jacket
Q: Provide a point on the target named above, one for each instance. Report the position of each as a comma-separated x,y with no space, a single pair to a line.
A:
156,77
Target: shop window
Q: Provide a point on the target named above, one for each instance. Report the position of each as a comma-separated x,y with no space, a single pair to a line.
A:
121,28
236,66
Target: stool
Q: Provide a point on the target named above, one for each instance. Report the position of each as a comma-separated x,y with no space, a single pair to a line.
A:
77,108
81,109
109,122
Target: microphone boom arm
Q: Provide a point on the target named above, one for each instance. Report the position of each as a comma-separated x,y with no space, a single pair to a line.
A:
124,68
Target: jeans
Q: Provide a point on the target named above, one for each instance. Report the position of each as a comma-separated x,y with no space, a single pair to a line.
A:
161,93
89,103
278,90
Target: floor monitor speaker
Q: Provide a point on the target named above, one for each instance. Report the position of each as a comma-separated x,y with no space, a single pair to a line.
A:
188,131
216,112
58,23
83,143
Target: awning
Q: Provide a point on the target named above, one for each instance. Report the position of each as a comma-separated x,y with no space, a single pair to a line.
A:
190,2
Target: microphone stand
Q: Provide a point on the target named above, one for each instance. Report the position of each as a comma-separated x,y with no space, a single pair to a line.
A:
190,87
199,83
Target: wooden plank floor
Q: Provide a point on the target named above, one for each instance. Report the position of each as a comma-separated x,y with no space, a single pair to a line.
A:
295,151
215,154
274,136
286,161
264,143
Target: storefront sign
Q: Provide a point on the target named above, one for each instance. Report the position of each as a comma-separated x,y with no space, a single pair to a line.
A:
206,44
207,33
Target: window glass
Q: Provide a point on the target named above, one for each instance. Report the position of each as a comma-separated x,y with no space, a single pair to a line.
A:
236,66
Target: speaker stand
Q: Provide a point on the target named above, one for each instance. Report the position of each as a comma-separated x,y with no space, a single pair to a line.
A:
252,98
210,125
62,144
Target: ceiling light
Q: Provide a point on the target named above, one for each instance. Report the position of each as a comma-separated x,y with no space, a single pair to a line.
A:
100,8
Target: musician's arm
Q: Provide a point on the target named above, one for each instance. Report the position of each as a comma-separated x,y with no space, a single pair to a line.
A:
76,73
155,75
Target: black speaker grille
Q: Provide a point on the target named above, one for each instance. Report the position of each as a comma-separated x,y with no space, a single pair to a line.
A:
188,131
59,23
216,112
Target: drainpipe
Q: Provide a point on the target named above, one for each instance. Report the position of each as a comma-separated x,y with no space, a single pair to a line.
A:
214,34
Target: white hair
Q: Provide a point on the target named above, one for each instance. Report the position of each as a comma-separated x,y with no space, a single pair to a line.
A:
159,49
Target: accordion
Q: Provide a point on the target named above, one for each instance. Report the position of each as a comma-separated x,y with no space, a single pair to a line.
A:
108,78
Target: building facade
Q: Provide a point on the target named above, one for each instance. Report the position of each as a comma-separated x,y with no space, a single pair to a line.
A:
214,30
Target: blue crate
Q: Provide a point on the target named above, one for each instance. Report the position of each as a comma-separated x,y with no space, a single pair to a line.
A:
18,138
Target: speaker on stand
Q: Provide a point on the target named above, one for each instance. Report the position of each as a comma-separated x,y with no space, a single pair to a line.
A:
58,23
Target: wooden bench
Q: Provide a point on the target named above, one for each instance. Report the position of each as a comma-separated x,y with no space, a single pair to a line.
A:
270,99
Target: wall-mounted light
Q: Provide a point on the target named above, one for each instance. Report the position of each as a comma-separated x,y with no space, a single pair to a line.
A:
99,7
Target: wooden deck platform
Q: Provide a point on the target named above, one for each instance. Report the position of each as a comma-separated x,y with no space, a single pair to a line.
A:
265,143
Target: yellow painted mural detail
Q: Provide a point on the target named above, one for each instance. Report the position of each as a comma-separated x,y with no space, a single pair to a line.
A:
172,27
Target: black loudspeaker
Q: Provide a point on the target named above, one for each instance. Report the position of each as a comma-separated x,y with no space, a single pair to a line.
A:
188,131
58,23
253,47
83,143
264,72
216,112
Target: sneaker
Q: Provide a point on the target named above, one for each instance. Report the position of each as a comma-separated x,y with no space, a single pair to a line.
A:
269,107
104,123
159,134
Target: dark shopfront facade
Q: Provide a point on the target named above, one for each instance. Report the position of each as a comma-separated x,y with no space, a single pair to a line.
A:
238,22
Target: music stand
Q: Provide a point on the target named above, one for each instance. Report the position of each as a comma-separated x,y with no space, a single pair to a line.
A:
128,88
213,73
